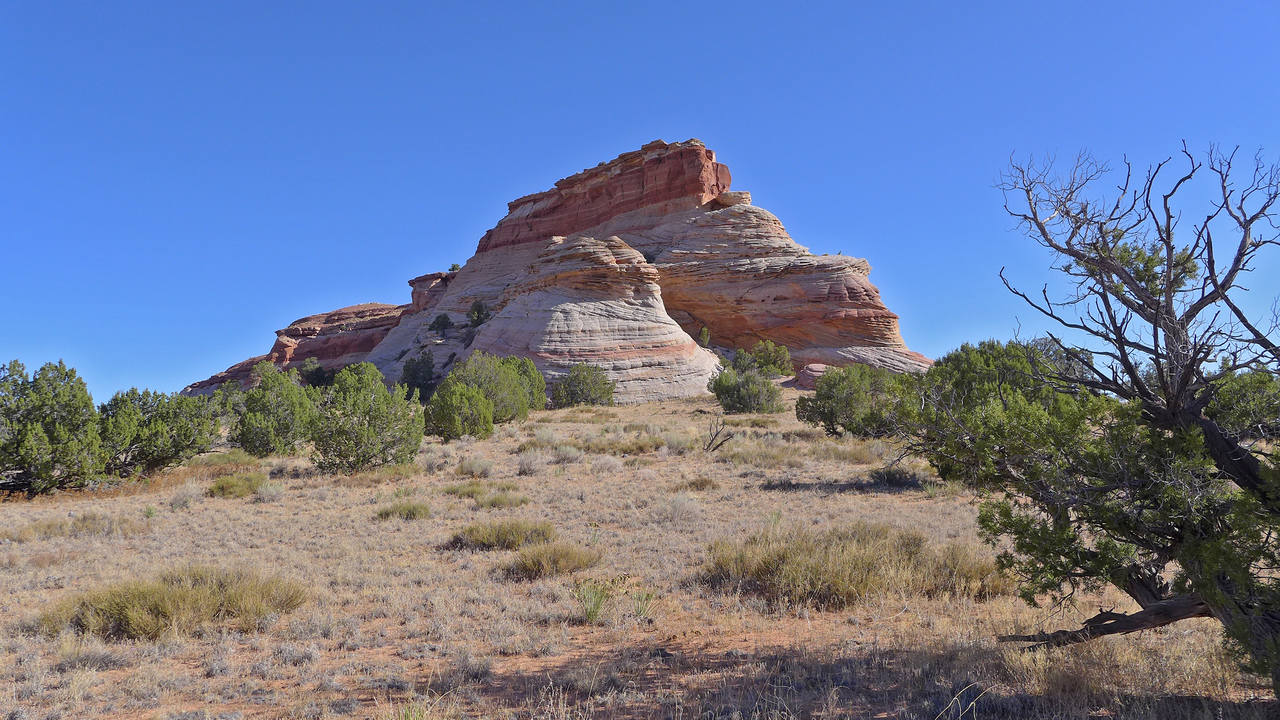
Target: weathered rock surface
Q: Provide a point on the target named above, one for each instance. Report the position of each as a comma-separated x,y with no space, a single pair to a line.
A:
619,266
335,339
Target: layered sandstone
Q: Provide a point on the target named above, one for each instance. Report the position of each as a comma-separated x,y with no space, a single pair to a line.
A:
335,339
618,266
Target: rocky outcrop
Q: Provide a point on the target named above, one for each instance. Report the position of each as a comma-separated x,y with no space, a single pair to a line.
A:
619,266
335,339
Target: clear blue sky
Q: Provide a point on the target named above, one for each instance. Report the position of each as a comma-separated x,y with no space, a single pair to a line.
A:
178,180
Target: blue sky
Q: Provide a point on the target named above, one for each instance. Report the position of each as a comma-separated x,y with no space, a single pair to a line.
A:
179,180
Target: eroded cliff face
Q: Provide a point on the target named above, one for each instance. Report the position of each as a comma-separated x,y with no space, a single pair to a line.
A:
619,266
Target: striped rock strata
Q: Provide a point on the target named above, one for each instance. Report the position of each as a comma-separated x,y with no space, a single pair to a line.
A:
619,266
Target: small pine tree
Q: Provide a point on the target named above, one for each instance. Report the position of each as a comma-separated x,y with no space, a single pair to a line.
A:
704,337
455,267
278,413
765,358
314,374
510,384
747,392
459,409
440,324
418,375
583,385
143,431
857,399
48,426
361,424
478,314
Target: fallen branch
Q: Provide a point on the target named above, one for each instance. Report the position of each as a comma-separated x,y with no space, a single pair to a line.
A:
1165,612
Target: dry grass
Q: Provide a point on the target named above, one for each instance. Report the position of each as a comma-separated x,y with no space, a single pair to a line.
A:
238,485
177,603
502,499
89,524
402,617
554,558
794,566
403,510
509,534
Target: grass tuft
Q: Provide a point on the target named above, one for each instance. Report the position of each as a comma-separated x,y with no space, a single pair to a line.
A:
841,567
179,602
510,534
403,510
502,499
554,558
239,485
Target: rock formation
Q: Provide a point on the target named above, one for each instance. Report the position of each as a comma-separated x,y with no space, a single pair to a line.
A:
619,266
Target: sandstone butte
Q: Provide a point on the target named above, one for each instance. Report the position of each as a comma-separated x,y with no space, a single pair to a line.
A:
621,266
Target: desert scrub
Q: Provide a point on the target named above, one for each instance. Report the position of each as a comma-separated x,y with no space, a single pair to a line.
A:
502,499
839,567
224,463
698,484
475,467
82,525
554,558
530,462
565,454
239,485
473,489
403,510
508,534
178,602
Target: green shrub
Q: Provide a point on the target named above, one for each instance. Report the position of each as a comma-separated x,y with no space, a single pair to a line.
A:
471,489
403,510
704,337
314,374
457,409
547,559
512,384
837,568
234,459
748,392
765,358
178,602
278,413
510,534
362,424
227,404
478,314
240,485
535,385
583,385
858,399
418,375
49,435
440,323
143,431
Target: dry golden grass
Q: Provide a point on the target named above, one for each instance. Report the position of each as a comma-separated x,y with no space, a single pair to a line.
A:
400,618
552,558
850,564
403,510
178,602
509,534
83,525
